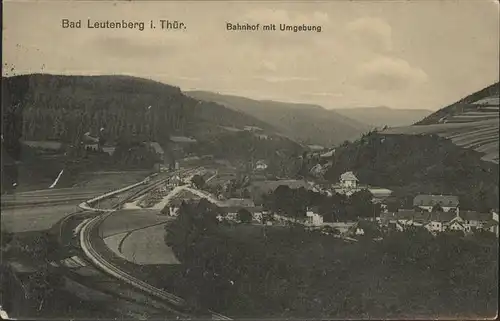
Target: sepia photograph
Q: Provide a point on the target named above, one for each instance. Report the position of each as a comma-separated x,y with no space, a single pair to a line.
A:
250,160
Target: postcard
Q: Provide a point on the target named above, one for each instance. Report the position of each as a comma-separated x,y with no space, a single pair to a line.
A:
257,160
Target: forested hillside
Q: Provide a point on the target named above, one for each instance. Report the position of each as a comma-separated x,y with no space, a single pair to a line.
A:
129,111
414,164
63,108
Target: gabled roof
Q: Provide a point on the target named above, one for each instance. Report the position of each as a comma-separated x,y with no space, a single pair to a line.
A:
475,216
441,216
420,217
348,176
457,222
431,200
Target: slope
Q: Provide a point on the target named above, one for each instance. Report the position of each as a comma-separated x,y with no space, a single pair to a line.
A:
309,124
472,122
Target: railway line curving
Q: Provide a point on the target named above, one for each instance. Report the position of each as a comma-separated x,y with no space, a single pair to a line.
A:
85,230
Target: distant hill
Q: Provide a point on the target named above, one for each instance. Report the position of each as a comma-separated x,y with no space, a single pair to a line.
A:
472,122
309,124
381,116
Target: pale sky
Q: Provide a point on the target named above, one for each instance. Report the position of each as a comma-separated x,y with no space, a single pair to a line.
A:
401,54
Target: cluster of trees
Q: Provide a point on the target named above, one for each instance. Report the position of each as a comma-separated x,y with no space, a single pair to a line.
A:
38,288
295,202
411,165
281,154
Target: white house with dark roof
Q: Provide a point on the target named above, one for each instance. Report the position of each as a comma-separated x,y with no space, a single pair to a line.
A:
348,180
427,202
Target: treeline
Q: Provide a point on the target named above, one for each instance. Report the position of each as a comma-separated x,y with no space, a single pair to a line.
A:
414,164
259,272
338,207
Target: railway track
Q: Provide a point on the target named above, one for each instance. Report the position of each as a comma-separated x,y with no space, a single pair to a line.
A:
178,304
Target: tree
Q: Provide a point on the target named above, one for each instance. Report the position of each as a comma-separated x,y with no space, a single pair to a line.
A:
361,204
244,215
198,181
437,208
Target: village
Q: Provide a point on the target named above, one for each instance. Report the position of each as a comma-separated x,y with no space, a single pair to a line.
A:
435,213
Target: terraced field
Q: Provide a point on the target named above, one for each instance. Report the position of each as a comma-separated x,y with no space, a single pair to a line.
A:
469,123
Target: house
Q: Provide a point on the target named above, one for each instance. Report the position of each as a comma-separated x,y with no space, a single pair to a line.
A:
363,227
494,213
231,212
260,165
494,228
427,202
437,222
491,226
348,180
475,219
456,225
313,218
92,147
433,221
